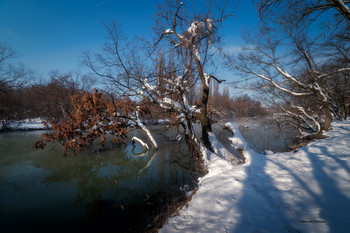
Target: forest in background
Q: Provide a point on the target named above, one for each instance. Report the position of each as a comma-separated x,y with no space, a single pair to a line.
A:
22,97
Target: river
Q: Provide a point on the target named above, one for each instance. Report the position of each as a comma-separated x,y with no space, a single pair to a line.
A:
98,190
95,190
264,135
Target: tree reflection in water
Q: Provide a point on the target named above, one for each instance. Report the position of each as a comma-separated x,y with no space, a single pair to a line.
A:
120,187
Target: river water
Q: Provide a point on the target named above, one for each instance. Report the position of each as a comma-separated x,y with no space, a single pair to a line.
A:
108,190
99,191
264,135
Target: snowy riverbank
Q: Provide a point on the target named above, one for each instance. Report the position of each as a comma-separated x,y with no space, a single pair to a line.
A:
27,124
305,191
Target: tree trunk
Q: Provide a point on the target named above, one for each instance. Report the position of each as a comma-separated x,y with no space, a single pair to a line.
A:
327,112
197,164
204,118
328,118
205,121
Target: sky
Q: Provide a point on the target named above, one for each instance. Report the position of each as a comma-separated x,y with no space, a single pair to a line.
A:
50,35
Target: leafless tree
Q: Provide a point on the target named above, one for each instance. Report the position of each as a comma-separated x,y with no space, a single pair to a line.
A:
307,9
12,77
191,35
166,72
287,56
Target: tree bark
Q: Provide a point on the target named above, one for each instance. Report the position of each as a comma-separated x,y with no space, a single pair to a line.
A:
328,118
204,118
205,121
341,7
198,165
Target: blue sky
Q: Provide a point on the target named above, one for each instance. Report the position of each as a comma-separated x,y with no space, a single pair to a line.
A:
51,34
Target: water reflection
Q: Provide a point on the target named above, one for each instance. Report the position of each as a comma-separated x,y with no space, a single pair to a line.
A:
113,174
43,190
265,135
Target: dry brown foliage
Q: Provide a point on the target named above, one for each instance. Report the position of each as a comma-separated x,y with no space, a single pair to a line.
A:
94,115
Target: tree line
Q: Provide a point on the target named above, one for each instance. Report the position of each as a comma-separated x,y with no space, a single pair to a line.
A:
223,106
22,97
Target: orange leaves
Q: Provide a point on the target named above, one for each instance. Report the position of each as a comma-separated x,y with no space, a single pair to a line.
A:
103,139
94,115
39,145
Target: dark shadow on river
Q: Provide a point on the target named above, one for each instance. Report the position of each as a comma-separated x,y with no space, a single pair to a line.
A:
117,189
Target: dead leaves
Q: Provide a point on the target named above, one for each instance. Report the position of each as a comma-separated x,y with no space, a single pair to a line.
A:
94,115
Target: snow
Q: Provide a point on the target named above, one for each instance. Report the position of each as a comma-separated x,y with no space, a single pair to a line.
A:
302,110
193,29
172,103
138,140
27,124
219,149
148,86
269,152
282,88
196,53
168,31
210,24
207,79
144,129
303,191
237,141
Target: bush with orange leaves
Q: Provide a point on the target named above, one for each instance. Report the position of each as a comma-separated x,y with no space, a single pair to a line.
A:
94,116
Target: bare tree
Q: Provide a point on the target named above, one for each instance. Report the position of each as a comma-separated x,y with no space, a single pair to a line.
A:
165,74
334,14
12,77
285,55
306,9
124,72
193,44
53,99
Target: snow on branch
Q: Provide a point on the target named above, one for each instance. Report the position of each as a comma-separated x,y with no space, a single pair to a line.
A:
324,95
172,30
283,89
163,101
148,86
197,31
340,6
302,112
138,140
333,73
290,77
176,105
145,130
247,70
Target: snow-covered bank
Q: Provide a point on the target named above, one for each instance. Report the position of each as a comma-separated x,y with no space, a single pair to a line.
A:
306,191
27,124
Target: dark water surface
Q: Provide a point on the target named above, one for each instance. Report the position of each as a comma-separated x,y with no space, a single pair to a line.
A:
109,190
264,135
104,191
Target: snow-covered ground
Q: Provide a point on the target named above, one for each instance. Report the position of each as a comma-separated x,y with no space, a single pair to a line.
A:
28,124
303,191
